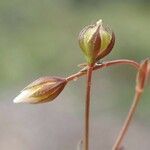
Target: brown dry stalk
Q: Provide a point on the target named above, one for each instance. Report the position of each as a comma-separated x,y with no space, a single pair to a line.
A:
103,65
128,120
142,76
87,108
88,70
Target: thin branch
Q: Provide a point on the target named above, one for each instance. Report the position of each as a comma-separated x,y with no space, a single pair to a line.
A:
88,70
103,65
141,78
128,120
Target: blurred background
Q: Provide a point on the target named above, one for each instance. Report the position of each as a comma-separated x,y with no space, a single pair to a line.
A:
39,38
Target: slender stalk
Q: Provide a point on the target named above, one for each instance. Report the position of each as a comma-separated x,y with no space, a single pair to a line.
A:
117,145
87,108
88,70
103,65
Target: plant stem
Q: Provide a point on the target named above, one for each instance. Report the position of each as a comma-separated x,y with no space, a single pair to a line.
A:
88,70
103,65
87,108
117,145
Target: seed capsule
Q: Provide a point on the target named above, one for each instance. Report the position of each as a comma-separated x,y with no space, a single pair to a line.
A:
42,90
143,74
96,41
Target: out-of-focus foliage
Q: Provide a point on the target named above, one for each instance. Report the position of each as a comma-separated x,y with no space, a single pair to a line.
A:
40,37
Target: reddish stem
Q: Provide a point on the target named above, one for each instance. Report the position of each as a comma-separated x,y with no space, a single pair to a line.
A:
88,70
104,64
117,145
87,108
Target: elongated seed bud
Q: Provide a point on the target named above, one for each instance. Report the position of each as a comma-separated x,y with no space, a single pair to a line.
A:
42,90
143,74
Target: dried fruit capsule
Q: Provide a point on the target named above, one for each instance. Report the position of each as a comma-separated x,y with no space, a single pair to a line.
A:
96,41
143,74
42,90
